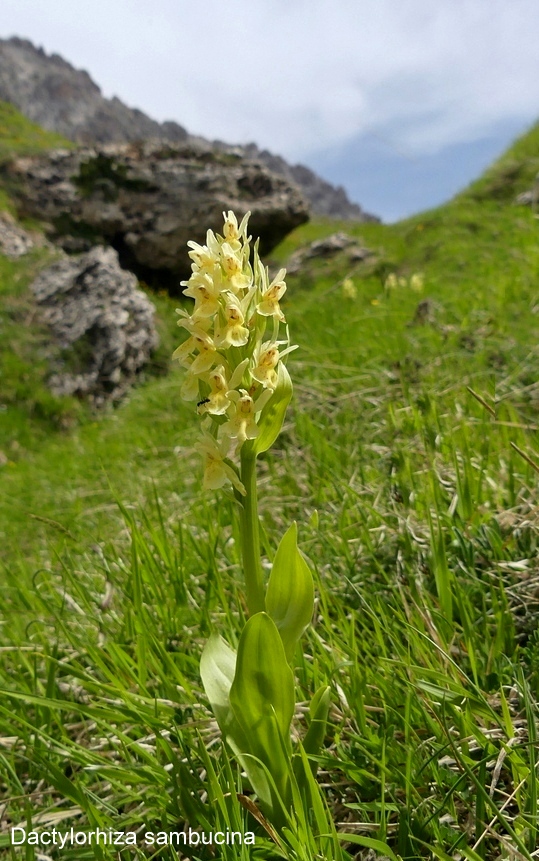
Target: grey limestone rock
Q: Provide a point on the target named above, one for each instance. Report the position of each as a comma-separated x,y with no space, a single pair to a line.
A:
328,247
14,240
147,200
530,197
100,319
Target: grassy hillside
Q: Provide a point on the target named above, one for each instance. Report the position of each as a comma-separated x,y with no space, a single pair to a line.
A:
19,136
409,460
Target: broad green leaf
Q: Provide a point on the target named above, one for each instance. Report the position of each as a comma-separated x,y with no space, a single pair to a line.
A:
290,593
261,750
263,684
271,785
217,668
262,701
272,416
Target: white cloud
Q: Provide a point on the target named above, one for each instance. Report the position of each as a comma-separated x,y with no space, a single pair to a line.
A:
298,76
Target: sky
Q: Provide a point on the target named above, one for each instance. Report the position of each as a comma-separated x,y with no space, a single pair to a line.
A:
402,102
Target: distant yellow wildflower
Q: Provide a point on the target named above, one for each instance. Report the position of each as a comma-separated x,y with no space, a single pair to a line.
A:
349,289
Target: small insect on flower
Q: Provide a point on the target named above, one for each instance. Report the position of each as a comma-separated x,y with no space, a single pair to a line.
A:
202,406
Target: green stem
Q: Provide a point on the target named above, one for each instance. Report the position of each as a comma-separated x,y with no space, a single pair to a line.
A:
252,569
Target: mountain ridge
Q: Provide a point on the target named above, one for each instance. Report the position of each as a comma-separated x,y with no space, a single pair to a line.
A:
50,91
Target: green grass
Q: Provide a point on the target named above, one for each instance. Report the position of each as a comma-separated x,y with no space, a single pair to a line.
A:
28,409
407,460
21,137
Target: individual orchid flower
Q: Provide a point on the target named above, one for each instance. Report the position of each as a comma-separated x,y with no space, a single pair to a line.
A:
205,289
183,353
231,259
237,271
218,400
200,340
207,356
204,256
216,472
265,359
231,232
269,303
233,333
241,281
242,425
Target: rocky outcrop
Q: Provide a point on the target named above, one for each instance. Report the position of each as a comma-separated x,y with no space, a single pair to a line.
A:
330,246
102,322
51,92
148,200
15,241
62,99
531,197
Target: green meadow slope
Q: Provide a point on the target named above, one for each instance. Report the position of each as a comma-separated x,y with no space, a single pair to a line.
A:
410,461
474,323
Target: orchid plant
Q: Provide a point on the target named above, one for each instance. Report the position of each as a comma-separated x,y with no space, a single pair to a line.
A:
235,362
